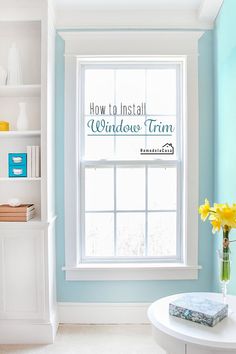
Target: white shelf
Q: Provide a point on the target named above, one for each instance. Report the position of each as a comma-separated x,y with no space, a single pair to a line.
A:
20,91
20,16
35,223
32,223
19,134
19,179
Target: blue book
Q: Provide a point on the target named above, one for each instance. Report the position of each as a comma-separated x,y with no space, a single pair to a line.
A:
198,308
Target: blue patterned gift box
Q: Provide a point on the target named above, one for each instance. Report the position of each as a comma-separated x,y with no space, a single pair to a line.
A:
198,308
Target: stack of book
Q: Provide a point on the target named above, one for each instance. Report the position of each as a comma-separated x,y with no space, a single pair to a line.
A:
24,212
33,161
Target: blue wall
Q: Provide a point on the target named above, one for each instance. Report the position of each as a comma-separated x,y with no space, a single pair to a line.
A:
225,120
141,291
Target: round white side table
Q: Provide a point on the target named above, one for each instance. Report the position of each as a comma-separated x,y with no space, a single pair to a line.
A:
178,336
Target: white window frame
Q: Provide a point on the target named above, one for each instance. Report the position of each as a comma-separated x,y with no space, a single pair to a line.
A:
111,44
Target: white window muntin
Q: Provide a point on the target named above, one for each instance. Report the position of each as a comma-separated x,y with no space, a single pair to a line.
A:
178,65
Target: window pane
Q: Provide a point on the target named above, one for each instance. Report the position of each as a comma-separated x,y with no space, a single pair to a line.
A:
128,148
130,234
161,91
99,90
128,144
161,137
130,87
99,231
98,147
162,234
162,188
99,189
130,188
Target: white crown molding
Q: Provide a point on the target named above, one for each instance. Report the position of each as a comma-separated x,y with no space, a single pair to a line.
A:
131,42
167,19
103,313
209,10
69,18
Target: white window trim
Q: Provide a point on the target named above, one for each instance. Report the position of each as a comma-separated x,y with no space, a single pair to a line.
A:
128,43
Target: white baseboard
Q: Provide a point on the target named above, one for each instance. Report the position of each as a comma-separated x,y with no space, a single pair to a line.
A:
20,332
27,332
103,313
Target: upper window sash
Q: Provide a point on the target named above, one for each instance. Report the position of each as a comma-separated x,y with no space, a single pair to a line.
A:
178,64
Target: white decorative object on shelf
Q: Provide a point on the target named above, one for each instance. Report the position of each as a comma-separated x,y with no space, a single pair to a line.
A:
3,76
22,122
14,202
14,66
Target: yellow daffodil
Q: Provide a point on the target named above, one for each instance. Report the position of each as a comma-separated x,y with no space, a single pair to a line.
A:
226,214
204,210
216,225
220,215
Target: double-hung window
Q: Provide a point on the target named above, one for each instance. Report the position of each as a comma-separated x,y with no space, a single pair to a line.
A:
130,159
131,155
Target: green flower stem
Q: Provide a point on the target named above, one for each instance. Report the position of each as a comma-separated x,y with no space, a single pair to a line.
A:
225,262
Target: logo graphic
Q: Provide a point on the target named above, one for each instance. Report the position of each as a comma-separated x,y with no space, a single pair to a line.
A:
167,149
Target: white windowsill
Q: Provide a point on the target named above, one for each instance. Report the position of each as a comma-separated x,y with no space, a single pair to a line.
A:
132,271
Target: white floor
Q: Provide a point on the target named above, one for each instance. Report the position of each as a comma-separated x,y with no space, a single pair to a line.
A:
94,339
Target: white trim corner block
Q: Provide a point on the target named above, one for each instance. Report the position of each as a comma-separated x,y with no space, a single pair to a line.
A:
103,313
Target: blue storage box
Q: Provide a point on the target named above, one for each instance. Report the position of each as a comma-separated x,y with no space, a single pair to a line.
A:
18,171
17,164
16,159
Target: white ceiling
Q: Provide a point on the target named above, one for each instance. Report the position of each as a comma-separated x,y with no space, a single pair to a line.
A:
111,5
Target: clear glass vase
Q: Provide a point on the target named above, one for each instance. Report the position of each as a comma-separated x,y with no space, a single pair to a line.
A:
224,263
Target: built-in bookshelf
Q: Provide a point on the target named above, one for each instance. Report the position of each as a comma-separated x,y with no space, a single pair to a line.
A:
27,37
27,273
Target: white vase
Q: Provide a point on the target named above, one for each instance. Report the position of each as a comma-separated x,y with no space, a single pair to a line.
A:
3,76
14,66
22,122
